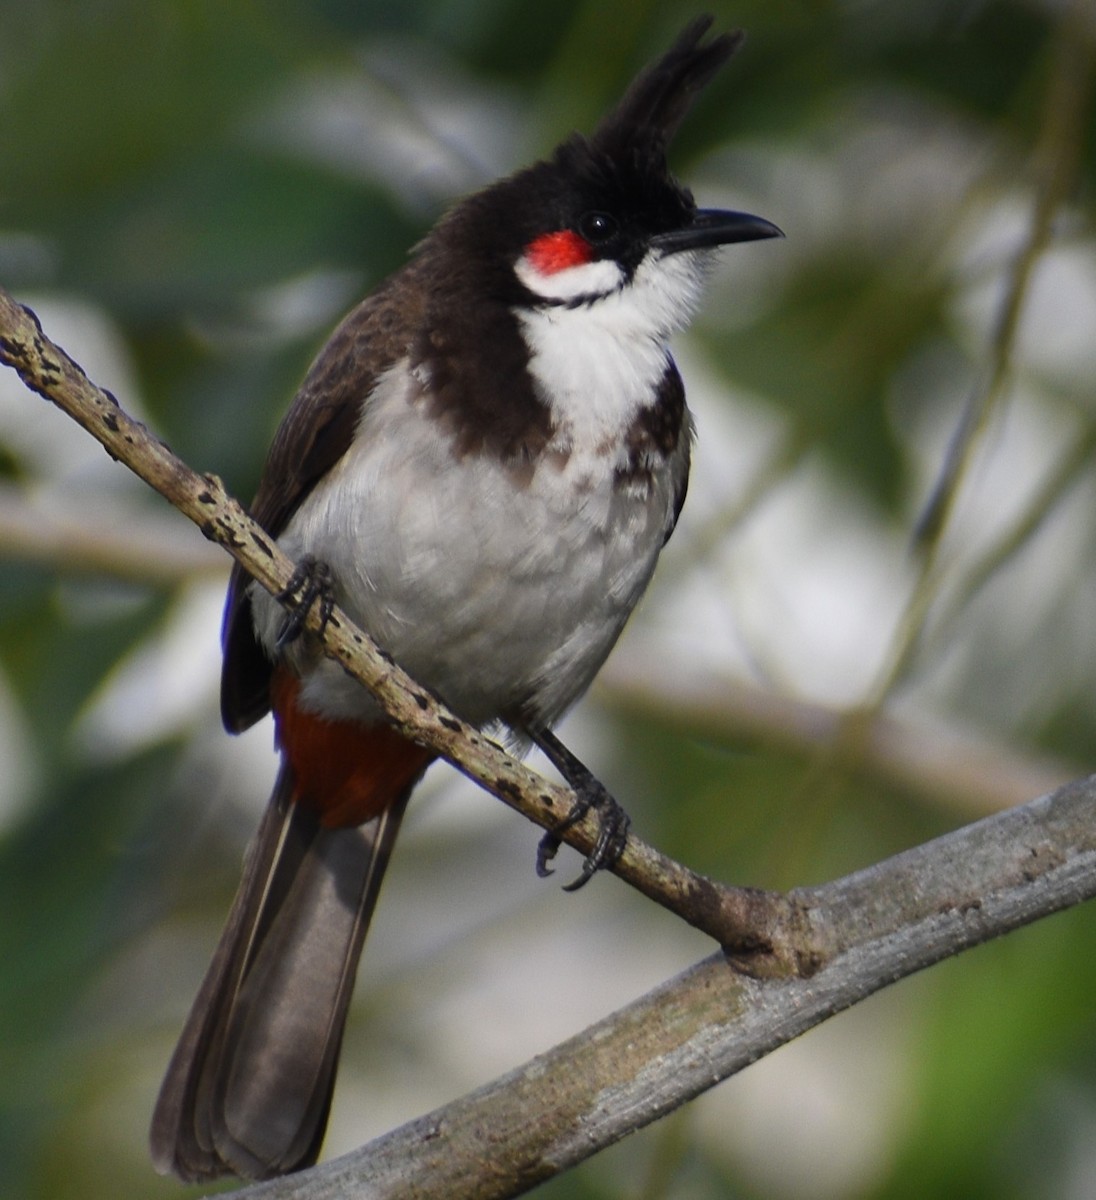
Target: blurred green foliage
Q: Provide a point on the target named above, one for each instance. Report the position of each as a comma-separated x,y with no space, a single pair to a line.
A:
153,170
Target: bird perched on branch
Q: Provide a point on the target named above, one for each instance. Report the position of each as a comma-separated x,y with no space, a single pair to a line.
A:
481,467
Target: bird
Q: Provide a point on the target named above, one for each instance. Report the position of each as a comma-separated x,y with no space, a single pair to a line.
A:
480,468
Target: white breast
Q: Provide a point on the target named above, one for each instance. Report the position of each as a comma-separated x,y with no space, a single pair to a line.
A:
500,591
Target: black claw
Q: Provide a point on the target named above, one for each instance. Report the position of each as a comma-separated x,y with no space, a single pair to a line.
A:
613,821
583,879
547,849
311,583
550,843
612,836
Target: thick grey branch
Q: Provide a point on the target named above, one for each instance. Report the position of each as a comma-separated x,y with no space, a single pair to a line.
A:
878,926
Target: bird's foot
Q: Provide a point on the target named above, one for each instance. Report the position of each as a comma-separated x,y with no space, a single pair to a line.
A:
311,583
590,794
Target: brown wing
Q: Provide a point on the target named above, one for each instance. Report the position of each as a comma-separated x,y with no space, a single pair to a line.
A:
315,433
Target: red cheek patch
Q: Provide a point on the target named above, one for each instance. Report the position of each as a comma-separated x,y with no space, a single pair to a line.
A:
553,252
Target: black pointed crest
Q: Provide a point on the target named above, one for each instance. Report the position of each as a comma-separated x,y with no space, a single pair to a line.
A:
648,116
620,169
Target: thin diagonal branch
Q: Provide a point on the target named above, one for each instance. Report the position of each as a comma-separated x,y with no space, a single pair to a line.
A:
1057,158
1066,474
748,920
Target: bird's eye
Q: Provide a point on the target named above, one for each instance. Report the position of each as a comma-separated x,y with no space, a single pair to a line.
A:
597,227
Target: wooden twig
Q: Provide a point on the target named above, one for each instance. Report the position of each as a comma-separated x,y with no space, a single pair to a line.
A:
761,925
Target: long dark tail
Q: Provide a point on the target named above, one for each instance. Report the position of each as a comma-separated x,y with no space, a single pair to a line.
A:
249,1086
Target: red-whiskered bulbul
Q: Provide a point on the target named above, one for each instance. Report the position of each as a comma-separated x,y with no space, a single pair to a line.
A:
481,468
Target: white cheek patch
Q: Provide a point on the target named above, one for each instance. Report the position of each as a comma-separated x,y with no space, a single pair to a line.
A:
597,278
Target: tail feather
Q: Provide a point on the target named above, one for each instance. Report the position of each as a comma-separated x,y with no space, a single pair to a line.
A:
249,1087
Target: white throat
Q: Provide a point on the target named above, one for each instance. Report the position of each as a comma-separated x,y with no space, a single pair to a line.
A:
598,363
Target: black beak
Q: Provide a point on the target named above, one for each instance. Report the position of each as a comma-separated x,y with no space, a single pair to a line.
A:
715,227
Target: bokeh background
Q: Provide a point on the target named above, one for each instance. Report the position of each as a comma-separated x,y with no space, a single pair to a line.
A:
875,622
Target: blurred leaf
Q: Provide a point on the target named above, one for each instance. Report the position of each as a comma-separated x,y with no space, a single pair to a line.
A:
141,84
229,222
995,1021
54,663
73,889
848,323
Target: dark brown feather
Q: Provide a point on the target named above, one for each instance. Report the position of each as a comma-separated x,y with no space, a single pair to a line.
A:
249,1086
314,434
654,436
